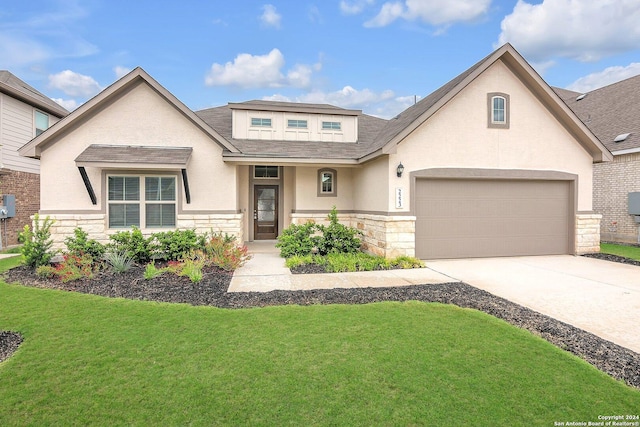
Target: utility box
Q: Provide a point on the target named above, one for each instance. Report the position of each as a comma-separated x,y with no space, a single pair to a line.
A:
9,202
634,205
3,212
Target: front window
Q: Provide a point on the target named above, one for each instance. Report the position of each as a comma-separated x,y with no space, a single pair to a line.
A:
260,122
300,124
331,126
41,122
327,183
498,110
132,198
265,171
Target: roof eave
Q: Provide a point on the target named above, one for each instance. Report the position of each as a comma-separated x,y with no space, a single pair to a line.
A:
9,90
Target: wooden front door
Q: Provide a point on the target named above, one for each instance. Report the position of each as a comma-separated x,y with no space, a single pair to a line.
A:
265,212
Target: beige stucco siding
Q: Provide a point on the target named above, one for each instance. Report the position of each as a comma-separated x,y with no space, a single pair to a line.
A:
457,136
306,190
142,117
371,180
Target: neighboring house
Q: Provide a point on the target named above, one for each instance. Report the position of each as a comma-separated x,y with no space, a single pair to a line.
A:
491,164
24,114
613,115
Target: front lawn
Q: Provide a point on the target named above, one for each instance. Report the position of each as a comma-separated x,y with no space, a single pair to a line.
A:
631,252
89,360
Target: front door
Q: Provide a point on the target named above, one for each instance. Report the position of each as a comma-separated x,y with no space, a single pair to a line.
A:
265,212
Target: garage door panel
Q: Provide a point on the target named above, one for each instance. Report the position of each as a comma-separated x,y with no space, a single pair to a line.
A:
473,218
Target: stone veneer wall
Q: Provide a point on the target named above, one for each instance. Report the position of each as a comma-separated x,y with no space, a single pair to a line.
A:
612,182
94,225
26,187
387,236
587,233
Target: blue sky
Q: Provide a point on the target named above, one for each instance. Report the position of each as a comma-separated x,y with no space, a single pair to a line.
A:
374,55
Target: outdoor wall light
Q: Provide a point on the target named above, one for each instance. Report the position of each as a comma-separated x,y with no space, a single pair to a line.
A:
399,170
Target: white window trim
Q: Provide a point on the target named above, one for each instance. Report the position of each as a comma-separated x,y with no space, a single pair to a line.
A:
142,202
261,121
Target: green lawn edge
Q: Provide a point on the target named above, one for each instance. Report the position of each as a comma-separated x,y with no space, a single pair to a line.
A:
88,360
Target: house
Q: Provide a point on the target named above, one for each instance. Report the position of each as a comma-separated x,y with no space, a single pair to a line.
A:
491,164
24,114
613,115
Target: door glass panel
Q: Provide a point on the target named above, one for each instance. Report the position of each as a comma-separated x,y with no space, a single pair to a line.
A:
266,204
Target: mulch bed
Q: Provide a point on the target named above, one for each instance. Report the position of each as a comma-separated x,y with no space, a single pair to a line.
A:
619,362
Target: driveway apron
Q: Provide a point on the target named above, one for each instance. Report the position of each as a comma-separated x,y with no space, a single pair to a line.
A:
601,297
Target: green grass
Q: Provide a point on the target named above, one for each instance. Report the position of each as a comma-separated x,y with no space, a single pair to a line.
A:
88,360
632,252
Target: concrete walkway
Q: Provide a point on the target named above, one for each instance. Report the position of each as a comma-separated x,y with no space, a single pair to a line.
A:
266,272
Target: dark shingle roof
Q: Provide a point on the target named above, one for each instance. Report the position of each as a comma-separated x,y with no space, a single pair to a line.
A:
610,111
17,88
219,118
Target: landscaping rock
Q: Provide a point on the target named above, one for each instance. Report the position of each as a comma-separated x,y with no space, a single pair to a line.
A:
9,343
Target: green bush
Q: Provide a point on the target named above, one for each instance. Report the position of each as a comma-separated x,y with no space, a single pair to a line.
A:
134,244
407,262
46,272
36,244
80,244
298,240
297,260
338,238
173,245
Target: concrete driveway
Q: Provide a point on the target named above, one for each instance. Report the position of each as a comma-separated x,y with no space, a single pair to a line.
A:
601,297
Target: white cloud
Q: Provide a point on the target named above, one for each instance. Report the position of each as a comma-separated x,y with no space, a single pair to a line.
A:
74,84
68,104
576,29
433,12
255,71
270,17
121,71
605,77
383,104
354,7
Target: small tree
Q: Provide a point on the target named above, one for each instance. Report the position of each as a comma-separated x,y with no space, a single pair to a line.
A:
36,244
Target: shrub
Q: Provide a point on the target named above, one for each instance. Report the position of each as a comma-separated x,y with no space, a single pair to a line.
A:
298,240
134,244
407,262
297,261
81,244
36,244
173,245
192,269
338,238
75,267
119,261
151,271
46,272
223,252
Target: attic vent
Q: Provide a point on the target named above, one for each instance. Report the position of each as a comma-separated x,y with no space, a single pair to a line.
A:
621,137
579,97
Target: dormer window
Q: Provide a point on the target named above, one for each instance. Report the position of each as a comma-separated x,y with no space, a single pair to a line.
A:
298,124
260,122
498,110
331,126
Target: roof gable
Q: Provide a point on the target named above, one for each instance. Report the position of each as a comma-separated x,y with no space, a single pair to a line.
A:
105,98
406,122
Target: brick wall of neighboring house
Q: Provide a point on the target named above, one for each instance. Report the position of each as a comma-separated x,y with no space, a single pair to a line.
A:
612,182
26,187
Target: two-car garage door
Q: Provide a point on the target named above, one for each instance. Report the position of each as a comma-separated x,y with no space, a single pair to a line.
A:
460,218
